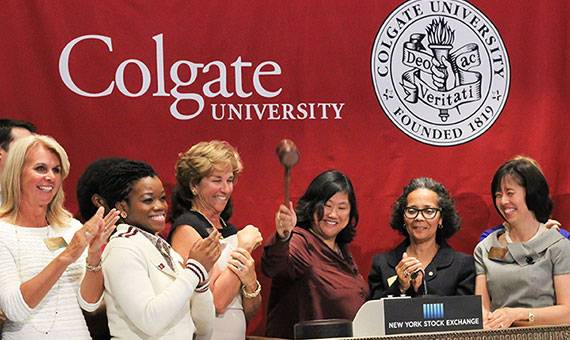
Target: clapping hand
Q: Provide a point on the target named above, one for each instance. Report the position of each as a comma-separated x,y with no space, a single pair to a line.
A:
207,250
249,238
103,229
405,268
84,237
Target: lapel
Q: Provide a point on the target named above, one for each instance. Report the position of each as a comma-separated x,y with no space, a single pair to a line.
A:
442,259
153,255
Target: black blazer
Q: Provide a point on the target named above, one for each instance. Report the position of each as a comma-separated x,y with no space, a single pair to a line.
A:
449,273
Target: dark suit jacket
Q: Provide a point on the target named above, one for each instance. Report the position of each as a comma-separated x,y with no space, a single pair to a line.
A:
449,273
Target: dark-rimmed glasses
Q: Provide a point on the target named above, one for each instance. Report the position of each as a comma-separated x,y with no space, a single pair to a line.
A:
427,213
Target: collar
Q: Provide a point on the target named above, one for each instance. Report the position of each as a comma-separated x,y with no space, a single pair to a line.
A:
523,253
162,260
442,259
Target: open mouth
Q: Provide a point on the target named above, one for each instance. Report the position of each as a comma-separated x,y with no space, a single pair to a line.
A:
158,218
45,188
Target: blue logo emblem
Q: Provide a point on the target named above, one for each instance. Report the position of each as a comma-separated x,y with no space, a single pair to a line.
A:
433,311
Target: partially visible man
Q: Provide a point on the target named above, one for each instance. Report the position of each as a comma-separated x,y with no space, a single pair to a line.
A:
11,130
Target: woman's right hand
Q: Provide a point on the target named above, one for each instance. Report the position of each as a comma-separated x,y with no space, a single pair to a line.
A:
285,220
404,270
249,238
206,251
242,264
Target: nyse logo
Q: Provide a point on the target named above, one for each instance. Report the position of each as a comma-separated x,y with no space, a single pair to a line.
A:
440,71
433,311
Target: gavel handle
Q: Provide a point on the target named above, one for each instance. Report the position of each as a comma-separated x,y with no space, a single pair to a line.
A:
287,181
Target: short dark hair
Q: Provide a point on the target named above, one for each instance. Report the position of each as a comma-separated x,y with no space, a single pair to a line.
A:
450,219
6,126
320,190
119,180
89,184
527,174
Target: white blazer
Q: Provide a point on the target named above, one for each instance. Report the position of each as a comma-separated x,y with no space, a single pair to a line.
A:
145,298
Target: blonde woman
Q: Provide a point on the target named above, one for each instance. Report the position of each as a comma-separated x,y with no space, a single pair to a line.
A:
49,263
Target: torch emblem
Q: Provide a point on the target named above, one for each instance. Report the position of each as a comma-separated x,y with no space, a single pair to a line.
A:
440,37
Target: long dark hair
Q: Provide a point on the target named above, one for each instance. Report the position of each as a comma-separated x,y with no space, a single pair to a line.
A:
320,190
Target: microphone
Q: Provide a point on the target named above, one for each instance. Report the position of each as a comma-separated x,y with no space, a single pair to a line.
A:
416,273
529,260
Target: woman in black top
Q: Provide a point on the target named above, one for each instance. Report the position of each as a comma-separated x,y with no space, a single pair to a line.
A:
425,215
205,179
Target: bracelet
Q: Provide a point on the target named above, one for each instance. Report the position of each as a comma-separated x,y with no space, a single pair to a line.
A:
91,268
251,295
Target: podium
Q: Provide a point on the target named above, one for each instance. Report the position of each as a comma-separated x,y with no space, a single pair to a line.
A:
404,315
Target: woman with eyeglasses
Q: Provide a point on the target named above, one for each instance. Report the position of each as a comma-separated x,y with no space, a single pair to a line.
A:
423,263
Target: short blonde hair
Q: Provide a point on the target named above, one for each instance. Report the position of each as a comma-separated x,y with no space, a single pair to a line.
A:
11,178
198,162
201,159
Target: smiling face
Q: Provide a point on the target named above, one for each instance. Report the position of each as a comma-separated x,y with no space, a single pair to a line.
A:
41,176
510,200
213,192
419,228
146,205
336,215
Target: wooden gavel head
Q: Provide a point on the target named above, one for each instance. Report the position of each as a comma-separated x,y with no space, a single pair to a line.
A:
287,152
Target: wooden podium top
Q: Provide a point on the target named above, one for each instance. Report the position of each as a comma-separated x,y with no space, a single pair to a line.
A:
536,333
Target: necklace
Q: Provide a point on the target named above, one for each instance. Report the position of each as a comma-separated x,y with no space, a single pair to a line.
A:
54,291
212,226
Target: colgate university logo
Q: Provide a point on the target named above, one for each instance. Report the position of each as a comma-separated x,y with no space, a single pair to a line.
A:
440,71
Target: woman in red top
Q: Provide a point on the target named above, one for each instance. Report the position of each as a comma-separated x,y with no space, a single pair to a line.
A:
314,275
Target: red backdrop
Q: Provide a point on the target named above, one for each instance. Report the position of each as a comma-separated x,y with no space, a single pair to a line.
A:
322,50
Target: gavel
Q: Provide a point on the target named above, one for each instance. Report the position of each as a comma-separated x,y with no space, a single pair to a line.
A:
288,156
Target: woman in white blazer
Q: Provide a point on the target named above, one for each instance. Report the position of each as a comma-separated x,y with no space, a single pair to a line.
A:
149,292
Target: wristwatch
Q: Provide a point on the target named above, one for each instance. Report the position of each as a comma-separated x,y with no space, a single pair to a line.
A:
530,317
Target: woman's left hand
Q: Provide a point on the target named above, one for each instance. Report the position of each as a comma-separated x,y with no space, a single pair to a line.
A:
242,264
500,318
98,229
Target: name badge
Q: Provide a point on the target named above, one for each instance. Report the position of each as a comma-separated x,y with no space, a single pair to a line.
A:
496,253
54,243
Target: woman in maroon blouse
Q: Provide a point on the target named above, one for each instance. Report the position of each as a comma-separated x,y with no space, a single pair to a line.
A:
314,275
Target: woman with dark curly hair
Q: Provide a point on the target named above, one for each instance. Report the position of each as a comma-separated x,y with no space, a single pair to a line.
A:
314,274
425,214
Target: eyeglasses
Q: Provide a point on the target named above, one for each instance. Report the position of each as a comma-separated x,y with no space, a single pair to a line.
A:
427,213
